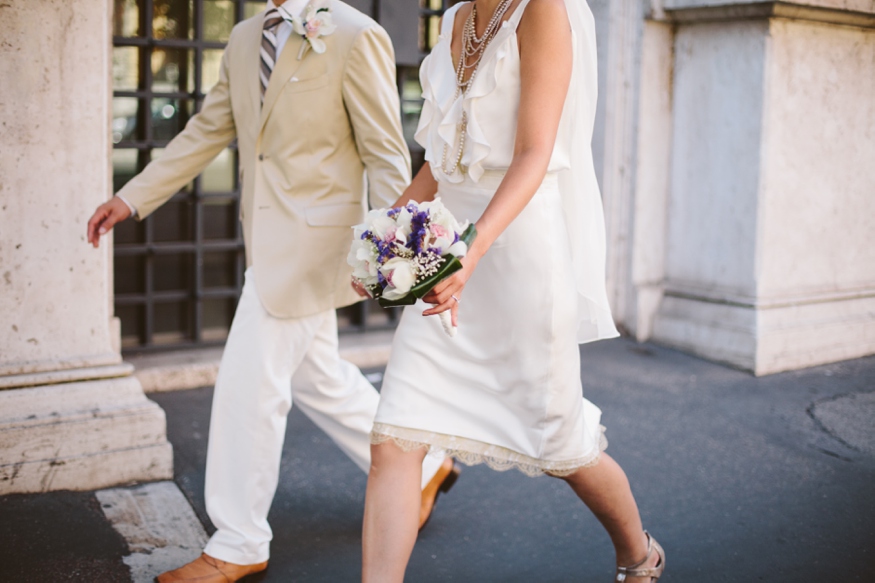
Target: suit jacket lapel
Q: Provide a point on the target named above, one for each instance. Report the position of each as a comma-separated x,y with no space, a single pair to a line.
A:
286,65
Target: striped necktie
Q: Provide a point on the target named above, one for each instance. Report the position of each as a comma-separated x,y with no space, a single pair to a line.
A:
272,19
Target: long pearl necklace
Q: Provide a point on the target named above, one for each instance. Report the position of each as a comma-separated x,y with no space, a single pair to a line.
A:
472,51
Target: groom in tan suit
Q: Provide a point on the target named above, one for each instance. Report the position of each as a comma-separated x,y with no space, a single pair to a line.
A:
309,126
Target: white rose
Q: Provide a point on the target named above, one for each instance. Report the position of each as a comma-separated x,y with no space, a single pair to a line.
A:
400,274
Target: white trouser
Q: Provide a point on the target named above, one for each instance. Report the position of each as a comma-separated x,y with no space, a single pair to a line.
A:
269,362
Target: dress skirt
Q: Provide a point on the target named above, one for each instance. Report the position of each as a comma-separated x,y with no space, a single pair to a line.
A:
506,389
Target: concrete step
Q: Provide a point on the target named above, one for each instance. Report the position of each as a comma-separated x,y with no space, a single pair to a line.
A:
81,435
84,472
101,431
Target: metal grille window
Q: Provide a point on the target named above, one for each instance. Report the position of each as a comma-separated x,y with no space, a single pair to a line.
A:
178,274
429,16
431,12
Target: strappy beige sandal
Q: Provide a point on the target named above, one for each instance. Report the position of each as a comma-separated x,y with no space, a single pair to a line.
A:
653,572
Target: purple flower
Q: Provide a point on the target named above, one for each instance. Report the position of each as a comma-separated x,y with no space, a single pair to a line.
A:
419,224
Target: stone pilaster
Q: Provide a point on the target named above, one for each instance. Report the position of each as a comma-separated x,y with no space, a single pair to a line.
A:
71,414
769,256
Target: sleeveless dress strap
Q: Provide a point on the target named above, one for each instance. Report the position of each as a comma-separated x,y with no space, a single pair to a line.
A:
517,15
449,18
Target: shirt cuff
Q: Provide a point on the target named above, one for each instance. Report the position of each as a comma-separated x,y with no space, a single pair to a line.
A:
130,206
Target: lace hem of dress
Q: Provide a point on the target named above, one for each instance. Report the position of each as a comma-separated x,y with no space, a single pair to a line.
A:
472,452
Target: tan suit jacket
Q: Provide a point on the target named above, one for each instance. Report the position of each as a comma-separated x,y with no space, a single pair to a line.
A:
327,120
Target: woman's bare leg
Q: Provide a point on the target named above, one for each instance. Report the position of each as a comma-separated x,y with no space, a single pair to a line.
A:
392,503
605,490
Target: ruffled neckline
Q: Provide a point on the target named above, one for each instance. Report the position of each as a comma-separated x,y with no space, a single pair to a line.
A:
441,115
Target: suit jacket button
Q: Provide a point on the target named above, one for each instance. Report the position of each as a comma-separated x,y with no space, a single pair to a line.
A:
261,156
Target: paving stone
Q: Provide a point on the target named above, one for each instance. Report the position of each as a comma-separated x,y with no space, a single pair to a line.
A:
161,529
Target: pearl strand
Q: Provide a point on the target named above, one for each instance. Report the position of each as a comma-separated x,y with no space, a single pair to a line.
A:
468,50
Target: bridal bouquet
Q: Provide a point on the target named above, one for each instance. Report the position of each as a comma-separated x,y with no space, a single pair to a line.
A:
399,254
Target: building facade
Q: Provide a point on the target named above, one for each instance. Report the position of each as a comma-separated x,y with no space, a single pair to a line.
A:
734,144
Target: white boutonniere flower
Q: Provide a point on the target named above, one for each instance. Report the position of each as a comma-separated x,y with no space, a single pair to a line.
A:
314,23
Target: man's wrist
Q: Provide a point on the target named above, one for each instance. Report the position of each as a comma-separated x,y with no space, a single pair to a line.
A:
131,207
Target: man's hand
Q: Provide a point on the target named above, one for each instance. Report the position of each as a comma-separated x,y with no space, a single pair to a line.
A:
105,217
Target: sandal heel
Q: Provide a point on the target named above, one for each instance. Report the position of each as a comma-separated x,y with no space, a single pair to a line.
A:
636,570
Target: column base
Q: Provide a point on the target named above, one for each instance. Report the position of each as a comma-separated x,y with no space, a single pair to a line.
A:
770,339
81,436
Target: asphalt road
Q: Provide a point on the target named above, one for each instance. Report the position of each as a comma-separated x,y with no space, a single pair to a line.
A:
741,480
59,537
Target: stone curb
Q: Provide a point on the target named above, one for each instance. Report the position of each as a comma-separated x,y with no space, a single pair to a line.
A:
190,369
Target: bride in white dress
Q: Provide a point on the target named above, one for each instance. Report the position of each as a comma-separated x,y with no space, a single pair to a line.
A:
509,101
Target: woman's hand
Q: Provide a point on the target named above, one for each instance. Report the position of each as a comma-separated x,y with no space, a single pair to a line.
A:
359,289
447,294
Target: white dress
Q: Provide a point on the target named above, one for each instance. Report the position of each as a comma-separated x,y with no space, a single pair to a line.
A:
506,390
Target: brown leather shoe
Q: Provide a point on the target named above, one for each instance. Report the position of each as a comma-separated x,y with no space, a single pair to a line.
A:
207,569
442,481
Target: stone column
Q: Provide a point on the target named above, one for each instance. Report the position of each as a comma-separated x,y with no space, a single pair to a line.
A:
71,414
769,250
